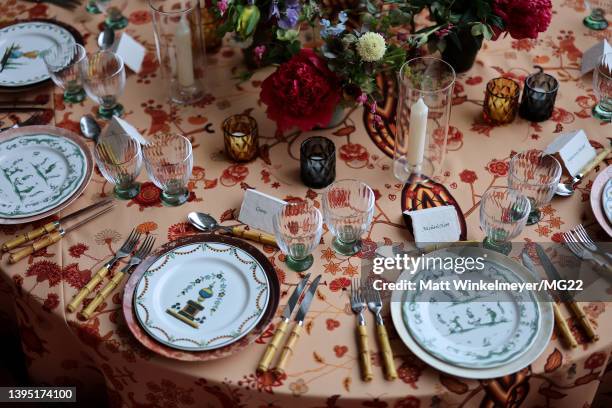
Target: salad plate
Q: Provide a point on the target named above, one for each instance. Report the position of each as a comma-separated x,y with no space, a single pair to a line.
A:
597,190
606,200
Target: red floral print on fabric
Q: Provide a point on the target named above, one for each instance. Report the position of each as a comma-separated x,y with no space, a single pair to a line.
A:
140,17
182,229
45,271
468,176
234,175
339,284
498,168
51,302
75,277
77,250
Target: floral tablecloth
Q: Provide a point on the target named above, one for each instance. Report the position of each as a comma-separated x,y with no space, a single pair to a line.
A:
63,350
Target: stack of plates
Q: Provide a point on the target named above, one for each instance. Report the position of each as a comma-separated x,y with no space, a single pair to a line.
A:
473,334
201,298
601,199
43,169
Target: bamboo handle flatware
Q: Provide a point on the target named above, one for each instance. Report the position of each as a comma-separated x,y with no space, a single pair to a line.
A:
255,236
103,294
387,354
44,242
583,320
288,350
87,289
563,328
365,362
29,236
272,347
598,159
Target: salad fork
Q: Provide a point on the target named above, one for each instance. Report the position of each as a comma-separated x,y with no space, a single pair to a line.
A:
141,253
585,239
582,252
125,250
358,306
375,306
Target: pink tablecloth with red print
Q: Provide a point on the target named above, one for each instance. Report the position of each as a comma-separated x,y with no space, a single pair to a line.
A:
101,354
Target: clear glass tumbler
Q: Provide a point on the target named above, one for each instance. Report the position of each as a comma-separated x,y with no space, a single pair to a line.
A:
536,176
119,159
348,208
503,215
114,13
298,227
169,161
104,80
65,63
423,111
180,48
602,85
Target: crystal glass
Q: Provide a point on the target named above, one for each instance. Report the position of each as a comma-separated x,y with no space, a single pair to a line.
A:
65,63
119,159
298,227
180,47
104,80
317,162
423,111
114,13
169,161
503,215
501,101
92,7
597,19
240,135
539,96
602,85
348,207
535,175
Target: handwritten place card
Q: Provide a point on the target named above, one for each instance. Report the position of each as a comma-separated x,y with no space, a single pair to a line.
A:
131,51
574,149
591,57
258,209
433,225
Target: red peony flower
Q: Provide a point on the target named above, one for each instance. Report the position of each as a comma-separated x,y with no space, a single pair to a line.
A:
498,167
524,18
302,92
468,176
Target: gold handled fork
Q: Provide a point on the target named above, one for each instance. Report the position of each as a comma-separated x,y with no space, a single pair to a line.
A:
358,306
375,306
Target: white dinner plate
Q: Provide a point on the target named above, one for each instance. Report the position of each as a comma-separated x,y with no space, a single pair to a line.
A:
201,296
606,200
597,189
25,65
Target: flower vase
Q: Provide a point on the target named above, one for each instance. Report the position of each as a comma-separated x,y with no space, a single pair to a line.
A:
461,51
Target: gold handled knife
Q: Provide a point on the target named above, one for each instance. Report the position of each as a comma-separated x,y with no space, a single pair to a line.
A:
49,227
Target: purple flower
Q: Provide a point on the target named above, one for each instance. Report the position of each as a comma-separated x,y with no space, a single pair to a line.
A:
363,98
259,52
222,6
289,17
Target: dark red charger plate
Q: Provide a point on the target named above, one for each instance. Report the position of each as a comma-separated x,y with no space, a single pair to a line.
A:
163,350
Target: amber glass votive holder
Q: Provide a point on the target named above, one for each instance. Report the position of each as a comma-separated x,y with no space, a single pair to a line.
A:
539,96
317,162
240,135
501,101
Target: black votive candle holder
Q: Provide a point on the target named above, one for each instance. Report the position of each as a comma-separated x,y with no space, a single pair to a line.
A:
317,162
539,96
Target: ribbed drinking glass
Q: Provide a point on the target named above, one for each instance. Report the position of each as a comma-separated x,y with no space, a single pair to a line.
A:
298,227
602,85
65,63
503,215
536,176
348,208
114,13
104,80
120,160
169,161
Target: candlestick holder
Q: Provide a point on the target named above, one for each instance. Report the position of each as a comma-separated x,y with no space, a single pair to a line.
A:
501,101
317,162
240,135
539,96
423,112
180,48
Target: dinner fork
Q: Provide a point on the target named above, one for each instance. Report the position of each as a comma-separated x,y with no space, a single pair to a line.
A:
141,253
125,250
584,238
358,305
375,306
582,252
35,119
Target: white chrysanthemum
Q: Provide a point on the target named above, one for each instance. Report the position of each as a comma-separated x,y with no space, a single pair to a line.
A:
371,47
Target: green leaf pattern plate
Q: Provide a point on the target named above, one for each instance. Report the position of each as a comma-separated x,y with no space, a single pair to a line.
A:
201,296
38,172
472,329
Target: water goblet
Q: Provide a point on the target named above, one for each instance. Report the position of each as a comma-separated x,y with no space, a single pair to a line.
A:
113,9
602,85
119,159
298,227
348,207
536,176
596,20
104,80
503,215
169,161
65,64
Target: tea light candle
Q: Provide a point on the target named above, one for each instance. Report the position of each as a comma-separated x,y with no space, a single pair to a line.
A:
539,96
317,162
184,55
417,135
240,136
501,101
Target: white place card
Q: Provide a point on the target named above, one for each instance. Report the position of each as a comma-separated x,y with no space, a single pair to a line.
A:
131,51
591,57
574,149
257,210
117,127
433,225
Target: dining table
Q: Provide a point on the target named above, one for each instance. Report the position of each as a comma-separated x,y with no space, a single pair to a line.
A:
106,363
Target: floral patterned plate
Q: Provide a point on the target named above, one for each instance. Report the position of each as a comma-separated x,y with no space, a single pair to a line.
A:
41,169
27,41
597,190
531,350
606,200
201,296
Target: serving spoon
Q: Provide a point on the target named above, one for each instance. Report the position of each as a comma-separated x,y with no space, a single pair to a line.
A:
205,222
